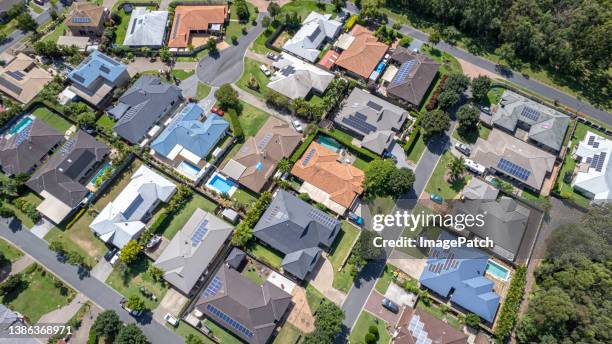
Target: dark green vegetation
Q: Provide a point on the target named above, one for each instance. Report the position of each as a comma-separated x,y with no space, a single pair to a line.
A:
328,323
509,310
383,178
244,231
571,303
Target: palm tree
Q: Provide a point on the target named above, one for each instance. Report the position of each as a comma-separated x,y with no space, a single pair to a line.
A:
456,167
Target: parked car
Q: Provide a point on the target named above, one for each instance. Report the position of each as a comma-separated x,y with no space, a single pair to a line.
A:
110,254
135,314
463,148
272,56
264,69
113,260
155,240
358,220
170,319
298,126
436,198
390,305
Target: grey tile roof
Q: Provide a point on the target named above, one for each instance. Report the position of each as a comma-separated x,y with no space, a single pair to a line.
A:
192,249
256,308
235,258
290,225
415,75
478,189
65,174
546,126
295,78
300,263
22,151
142,105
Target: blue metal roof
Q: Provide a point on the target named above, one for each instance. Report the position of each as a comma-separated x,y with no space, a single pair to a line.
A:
462,270
96,65
186,130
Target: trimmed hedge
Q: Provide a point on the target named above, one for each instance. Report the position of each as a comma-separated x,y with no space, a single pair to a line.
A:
302,148
414,135
361,152
433,101
509,311
235,124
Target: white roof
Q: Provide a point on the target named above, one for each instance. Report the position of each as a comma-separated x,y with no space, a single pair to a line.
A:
315,29
595,177
146,28
121,220
295,78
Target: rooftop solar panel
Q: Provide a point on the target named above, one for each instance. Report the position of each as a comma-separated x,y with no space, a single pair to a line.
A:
104,69
230,321
513,169
199,233
23,134
591,140
176,24
530,113
108,59
600,163
308,156
213,287
264,141
322,217
359,125
374,105
403,72
595,144
81,20
78,78
9,85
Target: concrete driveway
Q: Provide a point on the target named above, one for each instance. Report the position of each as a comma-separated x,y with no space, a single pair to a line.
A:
398,152
102,270
323,281
42,228
374,306
172,303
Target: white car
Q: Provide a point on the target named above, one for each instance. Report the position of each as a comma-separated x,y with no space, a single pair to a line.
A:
474,166
298,126
265,70
115,258
170,319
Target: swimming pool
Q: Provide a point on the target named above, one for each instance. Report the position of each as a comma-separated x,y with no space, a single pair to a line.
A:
380,67
188,169
498,271
221,184
24,122
100,172
329,143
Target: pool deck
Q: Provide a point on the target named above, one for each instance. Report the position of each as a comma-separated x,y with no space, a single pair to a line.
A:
209,185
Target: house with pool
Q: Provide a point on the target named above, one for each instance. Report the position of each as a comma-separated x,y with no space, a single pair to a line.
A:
188,140
328,179
361,53
255,162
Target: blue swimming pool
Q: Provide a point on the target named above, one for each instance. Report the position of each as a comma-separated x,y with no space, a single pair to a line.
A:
329,143
380,67
498,271
100,172
188,169
24,122
221,184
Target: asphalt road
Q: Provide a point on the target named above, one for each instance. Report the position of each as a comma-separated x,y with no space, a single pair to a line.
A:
101,294
17,35
226,67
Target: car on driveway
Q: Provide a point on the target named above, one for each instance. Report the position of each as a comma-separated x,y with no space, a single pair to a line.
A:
155,240
463,148
436,198
110,254
264,69
298,126
170,319
272,56
390,305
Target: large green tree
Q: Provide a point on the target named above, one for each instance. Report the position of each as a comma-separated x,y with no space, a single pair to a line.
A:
328,323
131,334
107,325
480,88
435,122
227,96
383,178
468,118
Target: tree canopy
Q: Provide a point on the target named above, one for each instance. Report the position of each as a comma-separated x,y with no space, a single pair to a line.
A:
383,178
480,88
131,334
107,325
328,323
227,96
435,122
468,118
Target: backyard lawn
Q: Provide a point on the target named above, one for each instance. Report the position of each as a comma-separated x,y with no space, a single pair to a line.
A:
52,119
251,69
288,334
117,186
183,329
360,329
343,244
23,218
176,222
203,91
251,119
250,271
44,293
106,122
222,334
135,276
265,255
54,35
121,29
10,252
314,298
244,196
437,183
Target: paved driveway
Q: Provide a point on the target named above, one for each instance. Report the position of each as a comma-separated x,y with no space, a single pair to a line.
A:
323,281
398,152
374,306
171,303
102,270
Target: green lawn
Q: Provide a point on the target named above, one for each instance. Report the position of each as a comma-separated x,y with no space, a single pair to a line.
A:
494,95
52,119
107,122
203,91
182,74
21,216
44,293
129,282
314,298
36,8
259,44
343,279
54,35
437,183
471,136
251,119
288,334
417,149
224,336
8,28
383,282
304,7
251,69
244,196
121,29
360,329
341,247
250,271
80,238
265,255
183,329
176,222
234,28
11,252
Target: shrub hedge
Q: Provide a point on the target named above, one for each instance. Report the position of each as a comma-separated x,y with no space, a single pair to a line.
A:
414,135
235,124
509,311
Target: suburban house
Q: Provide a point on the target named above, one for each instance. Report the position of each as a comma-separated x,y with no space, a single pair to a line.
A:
457,274
316,29
506,155
187,141
9,321
594,167
146,102
248,310
194,25
62,180
192,250
370,119
505,222
479,189
530,120
124,218
21,78
255,162
409,76
94,79
298,230
146,28
295,78
361,52
417,326
25,145
328,181
86,19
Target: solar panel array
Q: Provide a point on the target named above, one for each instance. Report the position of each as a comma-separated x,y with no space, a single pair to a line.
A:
23,134
78,78
597,161
403,72
288,70
308,156
358,121
213,287
230,321
417,329
513,169
264,141
199,233
530,113
322,218
81,20
104,69
374,105
591,140
17,75
68,146
108,59
176,24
